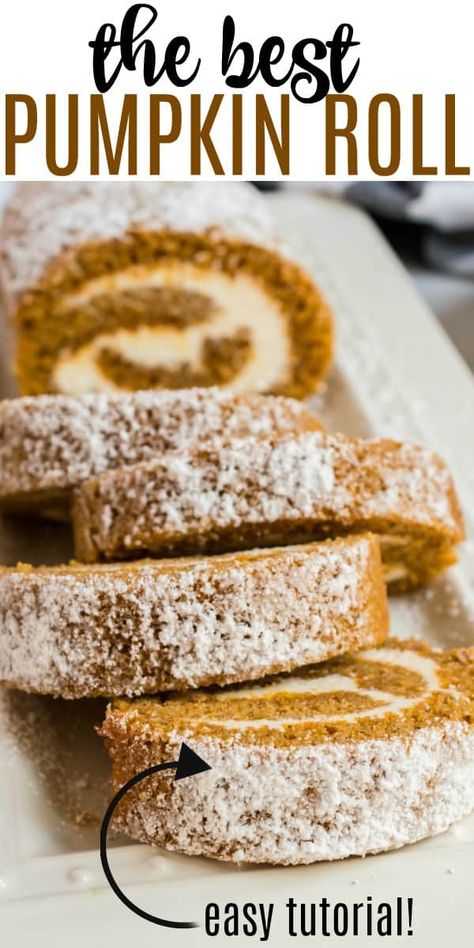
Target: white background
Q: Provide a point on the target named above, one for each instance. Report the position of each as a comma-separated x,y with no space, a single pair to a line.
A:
405,48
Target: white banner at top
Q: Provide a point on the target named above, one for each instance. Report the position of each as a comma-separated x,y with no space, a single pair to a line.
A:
183,90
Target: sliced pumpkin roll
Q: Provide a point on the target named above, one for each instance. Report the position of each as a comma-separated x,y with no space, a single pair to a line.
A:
263,491
135,628
360,754
51,443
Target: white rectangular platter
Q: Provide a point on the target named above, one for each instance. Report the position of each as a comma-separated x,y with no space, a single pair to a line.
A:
396,374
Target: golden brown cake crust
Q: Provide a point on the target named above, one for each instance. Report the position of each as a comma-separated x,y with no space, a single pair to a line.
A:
367,710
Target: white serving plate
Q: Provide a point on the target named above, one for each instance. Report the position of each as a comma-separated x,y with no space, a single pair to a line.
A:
396,374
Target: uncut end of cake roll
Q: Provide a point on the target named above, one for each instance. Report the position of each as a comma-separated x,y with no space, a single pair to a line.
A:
359,755
157,285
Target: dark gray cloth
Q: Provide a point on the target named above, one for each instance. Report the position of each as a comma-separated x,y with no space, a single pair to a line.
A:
431,221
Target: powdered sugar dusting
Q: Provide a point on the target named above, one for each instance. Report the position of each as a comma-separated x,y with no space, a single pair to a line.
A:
151,625
305,804
52,442
45,220
311,476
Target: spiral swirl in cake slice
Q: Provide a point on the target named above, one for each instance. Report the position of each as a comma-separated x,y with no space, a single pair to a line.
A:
157,285
358,755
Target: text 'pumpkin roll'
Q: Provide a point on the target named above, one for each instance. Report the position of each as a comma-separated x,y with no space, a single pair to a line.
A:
157,285
261,492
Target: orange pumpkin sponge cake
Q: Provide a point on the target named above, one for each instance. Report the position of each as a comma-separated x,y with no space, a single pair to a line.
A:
149,626
351,757
50,443
137,285
260,492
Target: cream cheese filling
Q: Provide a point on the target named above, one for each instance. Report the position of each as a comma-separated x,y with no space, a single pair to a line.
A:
396,570
393,539
240,303
385,702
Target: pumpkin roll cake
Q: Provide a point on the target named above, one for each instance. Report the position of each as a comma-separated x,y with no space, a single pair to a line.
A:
148,626
262,492
51,443
355,756
131,285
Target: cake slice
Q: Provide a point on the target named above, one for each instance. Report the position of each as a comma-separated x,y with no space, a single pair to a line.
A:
358,755
147,626
259,492
135,285
51,443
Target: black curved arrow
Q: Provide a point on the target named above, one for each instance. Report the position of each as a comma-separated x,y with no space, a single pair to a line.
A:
188,764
